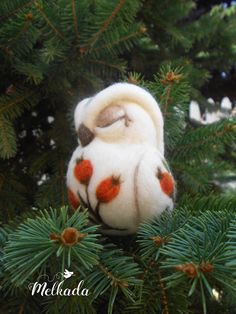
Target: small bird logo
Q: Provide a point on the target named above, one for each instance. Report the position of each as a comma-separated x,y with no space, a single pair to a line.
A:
67,273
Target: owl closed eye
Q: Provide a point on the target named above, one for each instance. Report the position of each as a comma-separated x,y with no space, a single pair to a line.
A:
111,115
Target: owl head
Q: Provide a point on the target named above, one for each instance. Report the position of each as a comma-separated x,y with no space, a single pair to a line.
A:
121,113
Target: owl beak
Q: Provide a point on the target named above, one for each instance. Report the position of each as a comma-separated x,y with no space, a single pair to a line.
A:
85,135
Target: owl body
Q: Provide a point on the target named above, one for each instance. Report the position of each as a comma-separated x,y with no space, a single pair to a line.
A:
128,181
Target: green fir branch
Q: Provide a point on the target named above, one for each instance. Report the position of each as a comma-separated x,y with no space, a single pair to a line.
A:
7,139
105,25
39,7
51,235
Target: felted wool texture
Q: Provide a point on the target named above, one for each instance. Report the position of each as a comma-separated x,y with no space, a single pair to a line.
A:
120,134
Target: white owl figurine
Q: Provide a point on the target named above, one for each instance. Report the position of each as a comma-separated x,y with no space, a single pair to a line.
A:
118,171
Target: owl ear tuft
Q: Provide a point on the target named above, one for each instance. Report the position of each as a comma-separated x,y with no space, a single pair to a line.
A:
79,112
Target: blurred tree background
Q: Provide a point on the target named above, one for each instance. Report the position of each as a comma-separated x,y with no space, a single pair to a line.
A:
55,53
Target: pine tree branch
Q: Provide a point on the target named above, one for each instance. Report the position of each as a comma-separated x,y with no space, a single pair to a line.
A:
51,233
105,25
164,298
75,18
40,9
110,65
116,42
7,139
114,13
212,136
117,282
22,31
8,106
8,15
212,202
168,100
7,51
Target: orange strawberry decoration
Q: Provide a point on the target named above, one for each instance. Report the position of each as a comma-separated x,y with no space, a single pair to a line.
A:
73,199
83,170
108,189
166,182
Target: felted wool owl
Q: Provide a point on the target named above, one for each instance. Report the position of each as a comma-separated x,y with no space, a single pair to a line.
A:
118,171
